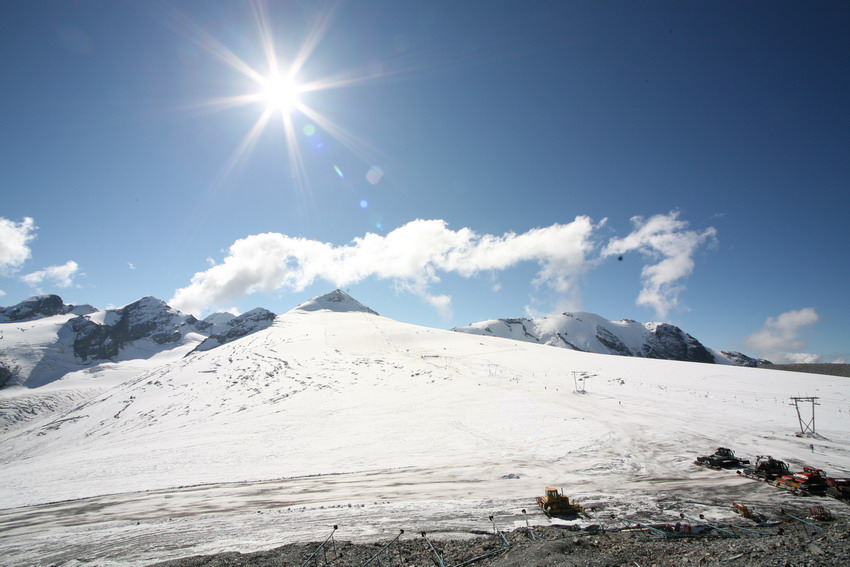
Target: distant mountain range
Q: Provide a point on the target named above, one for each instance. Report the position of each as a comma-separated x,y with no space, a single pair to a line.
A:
42,338
588,332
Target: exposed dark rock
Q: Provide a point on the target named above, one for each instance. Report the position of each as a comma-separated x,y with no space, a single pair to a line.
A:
33,308
561,546
741,359
833,369
146,318
245,324
612,341
5,375
521,322
671,343
40,306
569,344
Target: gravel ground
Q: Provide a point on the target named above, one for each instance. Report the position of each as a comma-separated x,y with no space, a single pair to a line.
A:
789,545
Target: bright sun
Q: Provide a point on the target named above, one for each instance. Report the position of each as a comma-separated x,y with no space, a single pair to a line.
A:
280,93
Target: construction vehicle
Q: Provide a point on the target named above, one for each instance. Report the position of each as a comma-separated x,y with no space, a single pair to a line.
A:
723,458
556,503
766,468
809,481
838,488
742,509
746,512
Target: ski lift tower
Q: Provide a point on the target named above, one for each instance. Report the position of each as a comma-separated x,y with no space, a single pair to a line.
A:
581,376
807,426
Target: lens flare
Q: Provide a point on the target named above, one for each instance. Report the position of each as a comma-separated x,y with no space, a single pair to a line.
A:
277,88
374,175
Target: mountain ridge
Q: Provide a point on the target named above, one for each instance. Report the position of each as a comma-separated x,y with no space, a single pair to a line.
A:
71,338
589,332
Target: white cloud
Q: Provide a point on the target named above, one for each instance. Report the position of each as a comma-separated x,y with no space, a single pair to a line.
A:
801,357
61,276
415,256
412,256
14,237
665,240
2,293
131,265
779,340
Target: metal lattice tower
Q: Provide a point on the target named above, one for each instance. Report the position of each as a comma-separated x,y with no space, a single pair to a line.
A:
581,376
807,426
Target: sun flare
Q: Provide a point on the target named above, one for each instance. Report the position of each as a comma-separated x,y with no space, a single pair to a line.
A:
280,93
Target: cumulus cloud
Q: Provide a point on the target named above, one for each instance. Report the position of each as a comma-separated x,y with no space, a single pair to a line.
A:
666,241
412,256
801,357
779,340
61,276
14,239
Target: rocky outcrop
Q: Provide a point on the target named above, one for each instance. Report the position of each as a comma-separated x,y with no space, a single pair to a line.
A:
612,341
521,323
245,324
669,342
740,359
5,374
147,318
40,306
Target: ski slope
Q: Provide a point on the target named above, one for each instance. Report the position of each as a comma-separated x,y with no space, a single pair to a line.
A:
341,413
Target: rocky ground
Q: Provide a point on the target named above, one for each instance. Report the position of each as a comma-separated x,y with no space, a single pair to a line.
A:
831,369
791,544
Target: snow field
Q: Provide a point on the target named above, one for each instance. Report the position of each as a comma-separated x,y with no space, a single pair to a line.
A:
406,424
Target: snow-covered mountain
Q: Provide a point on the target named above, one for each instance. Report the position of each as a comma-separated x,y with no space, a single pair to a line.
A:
352,411
43,339
337,301
237,327
41,306
587,332
54,355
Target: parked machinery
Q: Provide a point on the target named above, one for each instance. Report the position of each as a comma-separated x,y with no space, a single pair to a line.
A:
555,503
723,458
809,481
766,468
838,488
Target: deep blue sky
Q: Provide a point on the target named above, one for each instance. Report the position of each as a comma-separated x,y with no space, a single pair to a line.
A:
495,117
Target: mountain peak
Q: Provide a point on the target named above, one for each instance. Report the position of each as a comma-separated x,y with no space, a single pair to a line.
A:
337,301
39,306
